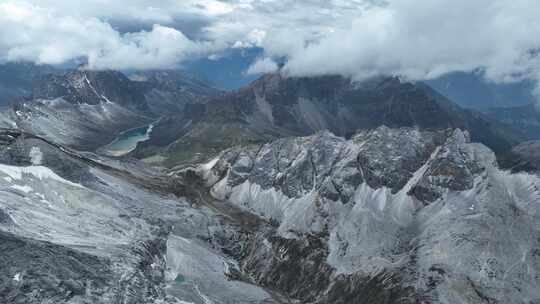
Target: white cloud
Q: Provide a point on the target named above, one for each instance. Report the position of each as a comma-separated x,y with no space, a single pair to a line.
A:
417,39
423,39
254,38
262,66
32,33
147,34
162,47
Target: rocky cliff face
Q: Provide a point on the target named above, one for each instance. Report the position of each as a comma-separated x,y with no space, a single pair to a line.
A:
389,216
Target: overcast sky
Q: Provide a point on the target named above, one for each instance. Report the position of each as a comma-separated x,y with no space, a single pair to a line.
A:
415,39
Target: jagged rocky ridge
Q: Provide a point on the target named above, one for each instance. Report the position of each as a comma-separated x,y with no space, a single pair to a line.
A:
389,216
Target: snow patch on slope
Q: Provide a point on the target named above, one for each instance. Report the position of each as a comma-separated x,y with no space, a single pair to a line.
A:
36,156
39,172
201,272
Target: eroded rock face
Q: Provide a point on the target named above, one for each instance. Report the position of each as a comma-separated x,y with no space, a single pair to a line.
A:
453,168
299,268
389,157
421,215
333,166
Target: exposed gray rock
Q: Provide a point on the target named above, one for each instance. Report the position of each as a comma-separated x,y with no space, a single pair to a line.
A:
381,157
409,215
41,272
454,167
390,157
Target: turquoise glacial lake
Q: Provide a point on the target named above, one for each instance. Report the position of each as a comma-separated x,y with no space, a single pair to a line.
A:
127,141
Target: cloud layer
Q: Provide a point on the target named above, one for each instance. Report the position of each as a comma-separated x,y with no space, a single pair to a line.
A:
262,66
144,34
416,39
36,34
423,39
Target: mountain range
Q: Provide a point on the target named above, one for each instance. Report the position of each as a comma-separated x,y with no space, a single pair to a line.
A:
525,118
277,106
288,190
472,90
